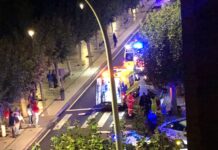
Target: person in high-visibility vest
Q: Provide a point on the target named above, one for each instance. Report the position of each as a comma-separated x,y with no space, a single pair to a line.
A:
130,104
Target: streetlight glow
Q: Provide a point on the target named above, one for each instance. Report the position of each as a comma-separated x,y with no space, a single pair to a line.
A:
81,5
31,32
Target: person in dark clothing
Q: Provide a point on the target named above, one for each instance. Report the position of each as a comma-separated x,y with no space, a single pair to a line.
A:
147,104
50,80
142,100
115,39
12,123
55,80
152,121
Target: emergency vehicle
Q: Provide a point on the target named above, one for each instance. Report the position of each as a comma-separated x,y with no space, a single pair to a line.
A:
134,56
123,77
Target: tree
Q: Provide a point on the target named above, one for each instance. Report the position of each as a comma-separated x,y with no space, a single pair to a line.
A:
20,65
163,31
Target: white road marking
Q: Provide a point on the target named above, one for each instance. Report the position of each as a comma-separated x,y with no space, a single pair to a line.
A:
121,114
44,136
71,127
103,119
85,124
104,132
80,109
81,114
62,122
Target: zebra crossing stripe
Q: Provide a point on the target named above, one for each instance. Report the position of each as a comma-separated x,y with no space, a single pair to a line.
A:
85,124
62,122
121,114
103,119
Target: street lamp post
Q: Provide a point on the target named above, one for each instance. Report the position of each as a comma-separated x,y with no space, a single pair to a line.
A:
111,74
31,33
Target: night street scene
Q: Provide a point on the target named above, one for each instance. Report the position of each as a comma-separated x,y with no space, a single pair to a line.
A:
108,75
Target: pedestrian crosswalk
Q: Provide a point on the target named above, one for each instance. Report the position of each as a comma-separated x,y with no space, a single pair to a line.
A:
85,124
104,120
60,124
121,114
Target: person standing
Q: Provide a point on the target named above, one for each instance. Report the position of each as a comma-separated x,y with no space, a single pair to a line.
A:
6,114
142,100
130,104
54,78
16,124
50,80
35,110
12,123
115,40
18,114
1,113
30,114
147,105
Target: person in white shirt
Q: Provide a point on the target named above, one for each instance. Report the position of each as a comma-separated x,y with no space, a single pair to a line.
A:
30,114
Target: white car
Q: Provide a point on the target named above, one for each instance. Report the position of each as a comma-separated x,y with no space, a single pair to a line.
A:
175,130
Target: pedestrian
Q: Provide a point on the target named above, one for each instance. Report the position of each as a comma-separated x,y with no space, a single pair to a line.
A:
35,110
130,104
30,114
1,113
158,106
142,100
147,105
6,114
31,98
54,78
153,105
16,124
12,123
50,80
115,40
19,117
152,121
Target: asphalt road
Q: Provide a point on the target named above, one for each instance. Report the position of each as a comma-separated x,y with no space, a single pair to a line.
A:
81,111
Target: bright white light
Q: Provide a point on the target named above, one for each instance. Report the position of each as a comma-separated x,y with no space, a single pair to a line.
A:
135,58
127,46
137,45
81,5
31,32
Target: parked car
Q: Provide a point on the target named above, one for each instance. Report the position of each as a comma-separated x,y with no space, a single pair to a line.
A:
175,130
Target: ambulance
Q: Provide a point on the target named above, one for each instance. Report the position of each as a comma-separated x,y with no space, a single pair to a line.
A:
124,79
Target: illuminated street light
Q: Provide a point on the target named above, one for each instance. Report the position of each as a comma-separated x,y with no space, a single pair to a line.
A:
81,5
31,32
112,82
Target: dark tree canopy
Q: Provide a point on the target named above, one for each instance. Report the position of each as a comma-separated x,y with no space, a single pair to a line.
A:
162,29
59,26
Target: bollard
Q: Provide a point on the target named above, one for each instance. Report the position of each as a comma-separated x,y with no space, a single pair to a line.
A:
3,128
62,93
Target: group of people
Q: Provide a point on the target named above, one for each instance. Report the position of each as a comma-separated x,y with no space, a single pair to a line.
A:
52,79
151,106
13,118
148,102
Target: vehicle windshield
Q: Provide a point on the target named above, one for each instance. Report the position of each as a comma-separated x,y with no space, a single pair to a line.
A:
178,125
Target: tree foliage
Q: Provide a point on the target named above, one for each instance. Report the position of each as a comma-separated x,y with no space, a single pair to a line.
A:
74,139
163,31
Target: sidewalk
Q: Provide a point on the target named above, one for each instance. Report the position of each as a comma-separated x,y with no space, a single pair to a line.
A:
51,108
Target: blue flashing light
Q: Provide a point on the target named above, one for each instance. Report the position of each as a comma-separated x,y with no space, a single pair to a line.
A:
137,45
